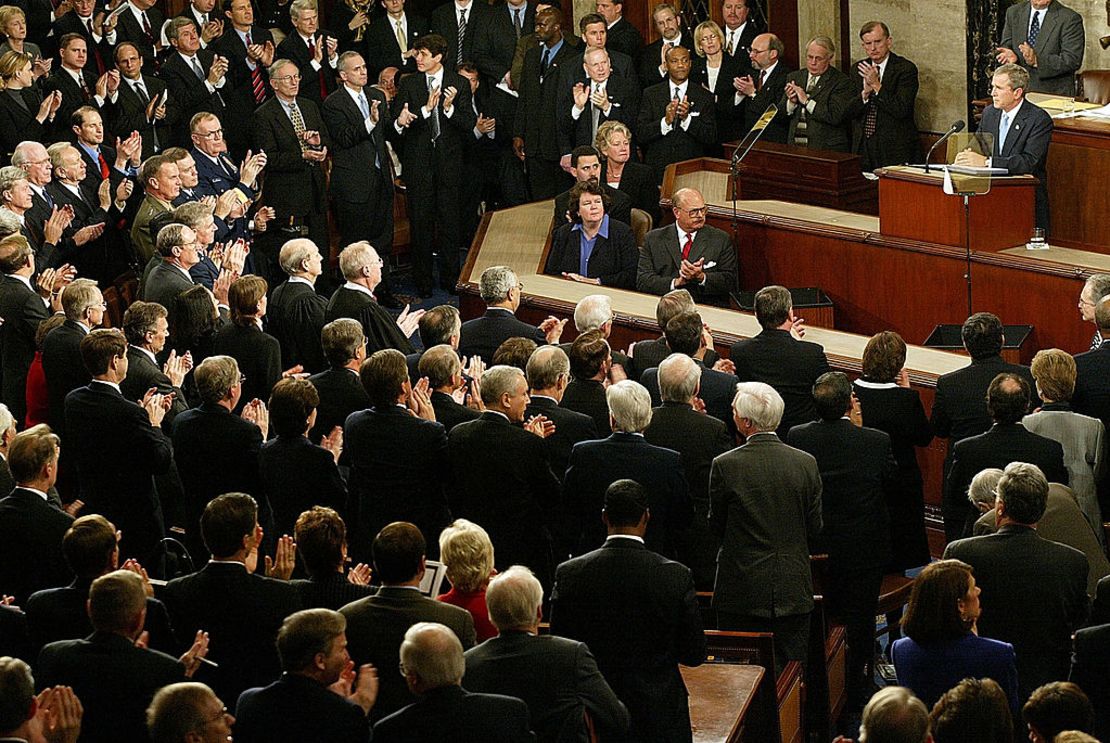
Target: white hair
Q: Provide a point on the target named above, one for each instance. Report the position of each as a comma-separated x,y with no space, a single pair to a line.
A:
433,652
679,376
630,406
760,404
592,312
514,598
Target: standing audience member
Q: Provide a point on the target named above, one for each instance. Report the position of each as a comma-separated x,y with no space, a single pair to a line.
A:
467,554
1056,707
257,352
295,314
54,714
894,715
883,107
501,291
321,538
1092,392
362,268
341,391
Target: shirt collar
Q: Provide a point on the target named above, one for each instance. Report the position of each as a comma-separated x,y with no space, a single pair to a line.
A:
146,352
358,288
436,77
1012,113
553,50
39,493
93,152
633,537
498,412
876,385
681,86
602,231
113,385
300,280
26,280
682,235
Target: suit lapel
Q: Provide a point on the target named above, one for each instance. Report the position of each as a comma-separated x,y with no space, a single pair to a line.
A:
1047,27
676,254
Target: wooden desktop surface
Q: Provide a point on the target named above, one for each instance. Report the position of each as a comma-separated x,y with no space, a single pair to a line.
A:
720,697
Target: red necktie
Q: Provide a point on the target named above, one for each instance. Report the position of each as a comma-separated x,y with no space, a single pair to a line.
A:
686,247
258,86
146,27
103,165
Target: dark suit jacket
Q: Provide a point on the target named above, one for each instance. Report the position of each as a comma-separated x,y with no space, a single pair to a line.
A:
31,532
960,405
650,353
241,612
128,29
613,260
587,396
751,108
679,143
382,50
1059,46
895,139
625,38
213,180
717,392
22,310
353,176
294,48
724,94
539,93
376,625
295,316
444,20
378,325
790,366
1088,669
114,679
662,256
294,186
495,41
1025,150
637,610
399,472
765,507
7,483
297,708
1092,388
620,209
452,714
557,678
341,393
163,284
64,369
828,127
61,614
259,357
647,62
71,23
73,97
638,181
424,162
142,374
595,465
624,95
190,92
296,475
482,335
1016,569
332,591
19,122
570,428
450,413
238,93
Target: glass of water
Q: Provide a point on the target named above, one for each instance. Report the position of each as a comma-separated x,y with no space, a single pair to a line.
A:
1036,240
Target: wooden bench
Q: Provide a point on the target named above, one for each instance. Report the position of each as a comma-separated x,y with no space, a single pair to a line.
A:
778,711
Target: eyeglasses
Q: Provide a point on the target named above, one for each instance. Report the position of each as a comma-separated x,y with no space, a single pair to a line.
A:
402,669
697,211
242,378
287,79
214,134
753,50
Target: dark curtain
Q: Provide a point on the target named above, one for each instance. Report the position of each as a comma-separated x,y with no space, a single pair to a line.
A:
984,30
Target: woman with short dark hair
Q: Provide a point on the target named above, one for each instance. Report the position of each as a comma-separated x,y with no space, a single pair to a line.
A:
258,353
592,248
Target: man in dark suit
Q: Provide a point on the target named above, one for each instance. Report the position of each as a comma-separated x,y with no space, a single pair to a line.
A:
7,434
84,306
147,329
488,153
120,447
548,373
22,308
432,115
651,64
100,38
382,39
557,678
534,131
141,24
31,528
599,96
461,24
432,659
763,87
358,117
585,165
688,255
490,455
290,130
295,312
779,357
101,257
591,366
441,366
687,334
765,507
644,355
194,77
682,424
399,466
595,465
883,107
241,610
1021,132
1016,569
1090,657
1046,39
638,612
312,645
177,246
815,101
621,36
217,173
677,121
341,391
1092,389
362,268
495,40
376,625
77,86
315,51
501,291
1006,441
114,677
739,30
857,468
249,50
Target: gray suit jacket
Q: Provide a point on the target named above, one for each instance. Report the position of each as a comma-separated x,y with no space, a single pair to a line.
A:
662,255
1059,46
765,507
163,285
828,126
1083,439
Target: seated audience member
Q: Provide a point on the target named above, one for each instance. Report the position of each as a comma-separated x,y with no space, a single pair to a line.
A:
636,610
241,610
1036,589
894,715
297,473
591,367
1092,391
1056,707
467,554
548,373
1082,437
687,334
514,352
1062,522
432,665
440,325
1006,441
960,405
557,678
779,357
302,704
217,450
595,465
441,366
688,254
942,645
341,391
501,291
376,625
398,455
644,355
258,353
26,716
1095,288
91,549
585,166
495,454
146,328
889,404
362,269
593,248
31,528
321,539
974,709
187,712
296,310
113,675
621,172
1090,659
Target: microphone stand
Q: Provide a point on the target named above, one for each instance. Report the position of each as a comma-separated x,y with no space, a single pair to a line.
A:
957,127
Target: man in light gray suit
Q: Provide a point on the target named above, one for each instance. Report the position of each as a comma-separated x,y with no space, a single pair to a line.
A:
765,506
1046,38
177,244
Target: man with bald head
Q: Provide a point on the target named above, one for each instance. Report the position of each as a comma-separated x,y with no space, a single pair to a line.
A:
763,87
295,314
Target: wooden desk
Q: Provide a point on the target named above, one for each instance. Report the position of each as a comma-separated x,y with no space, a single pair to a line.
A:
1078,162
720,697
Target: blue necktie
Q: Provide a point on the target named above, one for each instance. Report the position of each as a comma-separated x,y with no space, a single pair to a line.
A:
1034,28
1003,130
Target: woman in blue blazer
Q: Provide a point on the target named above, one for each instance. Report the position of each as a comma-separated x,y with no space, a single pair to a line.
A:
592,248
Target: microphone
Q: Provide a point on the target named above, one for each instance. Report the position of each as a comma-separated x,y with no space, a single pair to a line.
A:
957,126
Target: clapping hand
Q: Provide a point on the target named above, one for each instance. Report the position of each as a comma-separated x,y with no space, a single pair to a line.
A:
333,442
408,322
540,425
281,565
195,654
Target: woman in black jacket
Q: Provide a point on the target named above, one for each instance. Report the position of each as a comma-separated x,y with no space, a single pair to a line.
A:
593,249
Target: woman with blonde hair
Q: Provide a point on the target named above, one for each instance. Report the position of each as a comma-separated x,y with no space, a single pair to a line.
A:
24,113
13,27
467,552
714,70
620,171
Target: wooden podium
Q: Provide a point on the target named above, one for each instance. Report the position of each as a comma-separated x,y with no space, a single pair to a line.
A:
913,206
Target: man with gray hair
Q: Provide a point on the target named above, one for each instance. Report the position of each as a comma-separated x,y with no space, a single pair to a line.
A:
595,312
1092,371
433,666
146,327
595,465
84,308
494,454
643,355
557,678
894,715
816,100
295,313
7,434
362,269
682,424
179,710
501,291
341,391
177,245
548,373
1095,288
1036,588
441,366
765,507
